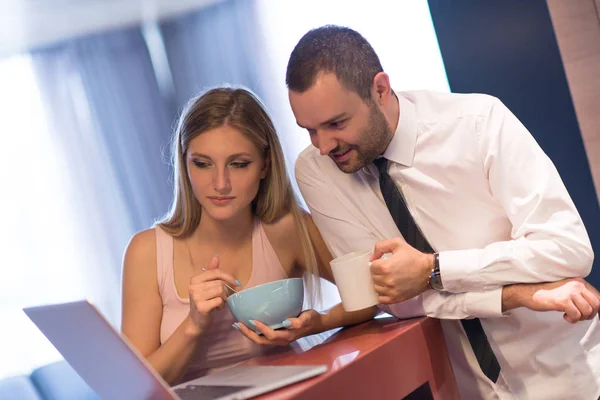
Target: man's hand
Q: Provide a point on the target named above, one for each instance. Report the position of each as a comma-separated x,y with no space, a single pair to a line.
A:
576,298
403,275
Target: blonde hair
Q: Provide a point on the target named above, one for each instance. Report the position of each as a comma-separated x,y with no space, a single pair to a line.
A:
242,110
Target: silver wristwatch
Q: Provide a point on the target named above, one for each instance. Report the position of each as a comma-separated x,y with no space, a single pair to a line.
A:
435,281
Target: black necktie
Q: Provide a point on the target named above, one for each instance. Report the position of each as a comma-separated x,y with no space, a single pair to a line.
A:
413,236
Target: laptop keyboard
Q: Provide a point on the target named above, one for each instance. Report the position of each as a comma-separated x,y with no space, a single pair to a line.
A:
206,392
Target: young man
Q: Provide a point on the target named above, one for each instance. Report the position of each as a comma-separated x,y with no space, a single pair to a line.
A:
480,226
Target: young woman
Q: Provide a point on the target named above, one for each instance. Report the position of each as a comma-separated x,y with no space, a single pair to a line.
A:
234,222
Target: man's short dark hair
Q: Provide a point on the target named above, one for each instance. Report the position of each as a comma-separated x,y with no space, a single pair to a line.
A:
334,49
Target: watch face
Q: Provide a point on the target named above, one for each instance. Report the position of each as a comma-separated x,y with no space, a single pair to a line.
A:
436,282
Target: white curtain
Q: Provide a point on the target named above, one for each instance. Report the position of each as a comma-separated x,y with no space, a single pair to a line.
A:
39,228
84,129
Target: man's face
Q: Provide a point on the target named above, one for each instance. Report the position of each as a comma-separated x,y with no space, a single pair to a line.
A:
341,125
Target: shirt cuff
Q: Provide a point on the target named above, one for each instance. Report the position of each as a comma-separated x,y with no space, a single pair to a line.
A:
484,304
459,271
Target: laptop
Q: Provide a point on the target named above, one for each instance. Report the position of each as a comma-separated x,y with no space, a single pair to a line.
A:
113,368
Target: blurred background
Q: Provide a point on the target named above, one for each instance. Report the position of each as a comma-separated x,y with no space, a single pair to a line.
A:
89,93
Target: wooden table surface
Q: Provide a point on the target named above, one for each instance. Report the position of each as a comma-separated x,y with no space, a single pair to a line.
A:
381,359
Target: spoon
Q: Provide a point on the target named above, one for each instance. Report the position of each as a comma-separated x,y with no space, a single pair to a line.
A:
224,283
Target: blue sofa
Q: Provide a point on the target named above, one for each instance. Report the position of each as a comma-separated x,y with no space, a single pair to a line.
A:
56,381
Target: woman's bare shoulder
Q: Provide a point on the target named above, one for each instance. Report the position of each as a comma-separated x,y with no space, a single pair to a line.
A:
283,229
141,250
143,239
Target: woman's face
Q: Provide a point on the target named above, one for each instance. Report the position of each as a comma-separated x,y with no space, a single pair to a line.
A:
225,169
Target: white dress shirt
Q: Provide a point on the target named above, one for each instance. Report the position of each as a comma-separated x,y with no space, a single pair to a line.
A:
492,204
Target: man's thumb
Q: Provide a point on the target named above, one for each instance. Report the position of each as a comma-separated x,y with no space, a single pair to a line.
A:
385,246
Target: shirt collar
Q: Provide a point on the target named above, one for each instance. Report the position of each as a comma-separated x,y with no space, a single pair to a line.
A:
401,149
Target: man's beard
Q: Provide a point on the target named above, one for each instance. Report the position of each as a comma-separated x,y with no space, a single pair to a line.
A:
372,141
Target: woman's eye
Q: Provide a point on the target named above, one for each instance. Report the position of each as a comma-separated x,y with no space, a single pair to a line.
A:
240,164
201,164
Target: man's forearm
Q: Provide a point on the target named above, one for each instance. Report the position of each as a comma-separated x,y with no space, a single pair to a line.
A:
512,296
576,298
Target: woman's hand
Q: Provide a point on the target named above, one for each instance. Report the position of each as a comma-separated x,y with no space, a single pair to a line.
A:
208,293
306,324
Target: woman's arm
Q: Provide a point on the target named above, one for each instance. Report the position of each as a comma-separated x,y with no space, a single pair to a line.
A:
142,312
309,322
335,316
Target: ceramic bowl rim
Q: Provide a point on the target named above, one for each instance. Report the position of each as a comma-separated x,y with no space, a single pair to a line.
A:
262,284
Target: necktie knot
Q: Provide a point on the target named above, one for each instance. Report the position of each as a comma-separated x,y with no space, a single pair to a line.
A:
382,165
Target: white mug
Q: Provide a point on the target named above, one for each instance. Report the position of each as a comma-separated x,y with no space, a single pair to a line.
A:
352,274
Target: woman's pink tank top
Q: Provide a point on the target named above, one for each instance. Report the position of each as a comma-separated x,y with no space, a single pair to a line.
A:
222,345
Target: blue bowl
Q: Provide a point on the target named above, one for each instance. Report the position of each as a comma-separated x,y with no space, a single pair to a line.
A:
270,303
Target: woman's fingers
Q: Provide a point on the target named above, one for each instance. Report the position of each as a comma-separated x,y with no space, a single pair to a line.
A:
206,306
250,334
212,275
269,336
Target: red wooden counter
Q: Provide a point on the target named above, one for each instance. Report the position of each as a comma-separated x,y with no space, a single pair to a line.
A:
380,359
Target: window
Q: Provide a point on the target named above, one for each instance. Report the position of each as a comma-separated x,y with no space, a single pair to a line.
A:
37,233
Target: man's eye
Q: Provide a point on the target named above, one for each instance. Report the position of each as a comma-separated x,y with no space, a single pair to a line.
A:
201,164
337,124
240,164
